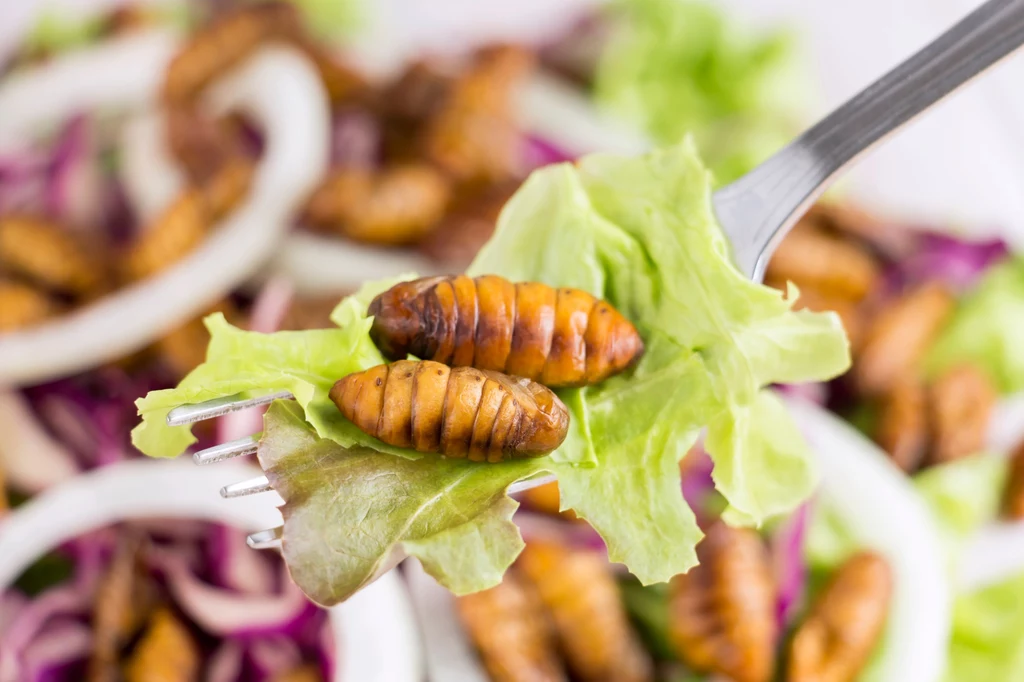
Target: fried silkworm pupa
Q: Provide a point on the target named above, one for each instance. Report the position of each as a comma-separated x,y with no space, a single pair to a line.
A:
830,264
185,223
591,625
1013,495
22,305
45,253
461,412
167,652
722,613
510,630
903,425
899,336
559,337
962,400
393,206
844,623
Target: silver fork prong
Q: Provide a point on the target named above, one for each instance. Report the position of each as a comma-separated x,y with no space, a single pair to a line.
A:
266,539
218,407
260,484
223,451
520,486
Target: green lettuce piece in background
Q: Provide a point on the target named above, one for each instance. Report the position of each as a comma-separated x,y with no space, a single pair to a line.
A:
964,494
638,232
678,67
988,634
987,328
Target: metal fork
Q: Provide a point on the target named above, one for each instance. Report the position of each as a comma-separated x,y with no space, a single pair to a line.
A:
757,210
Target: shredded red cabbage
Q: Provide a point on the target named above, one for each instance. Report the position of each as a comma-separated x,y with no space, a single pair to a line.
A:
538,152
790,564
356,140
957,262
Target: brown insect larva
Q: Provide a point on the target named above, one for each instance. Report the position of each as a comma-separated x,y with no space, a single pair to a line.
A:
472,135
187,221
903,429
47,254
393,206
850,312
722,613
124,598
961,403
510,630
844,624
461,412
1013,495
830,264
899,337
580,594
22,305
166,651
225,43
559,337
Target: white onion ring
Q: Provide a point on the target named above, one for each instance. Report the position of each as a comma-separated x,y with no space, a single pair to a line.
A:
120,73
881,509
281,89
374,631
31,458
150,176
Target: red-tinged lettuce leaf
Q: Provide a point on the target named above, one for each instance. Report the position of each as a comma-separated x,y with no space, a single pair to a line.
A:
350,514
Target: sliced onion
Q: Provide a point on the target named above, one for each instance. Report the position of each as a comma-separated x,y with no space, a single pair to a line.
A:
11,604
31,459
75,194
881,510
790,564
271,305
994,554
226,613
282,90
448,651
63,643
273,656
151,178
122,73
237,567
225,664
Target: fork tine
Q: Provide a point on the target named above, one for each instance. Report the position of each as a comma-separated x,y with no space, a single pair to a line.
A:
196,412
260,484
223,451
266,539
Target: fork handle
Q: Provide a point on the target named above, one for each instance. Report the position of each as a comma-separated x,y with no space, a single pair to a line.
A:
758,209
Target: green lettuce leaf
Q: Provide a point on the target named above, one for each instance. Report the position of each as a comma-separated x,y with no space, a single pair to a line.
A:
988,634
986,329
349,513
678,67
642,235
638,232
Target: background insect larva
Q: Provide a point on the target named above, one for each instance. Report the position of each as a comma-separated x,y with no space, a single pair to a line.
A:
461,412
22,305
559,337
512,633
899,336
183,225
902,429
395,205
844,624
1013,495
723,611
47,254
593,631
